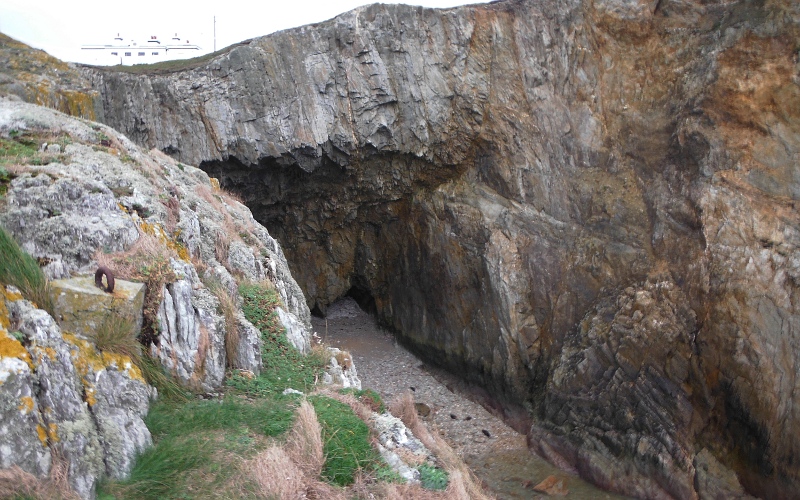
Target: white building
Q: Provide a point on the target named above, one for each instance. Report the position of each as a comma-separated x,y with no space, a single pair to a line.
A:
147,52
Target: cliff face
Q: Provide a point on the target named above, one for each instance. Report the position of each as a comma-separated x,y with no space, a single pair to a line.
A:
587,207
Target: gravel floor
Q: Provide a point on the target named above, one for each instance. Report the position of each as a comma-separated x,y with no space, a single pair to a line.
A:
501,458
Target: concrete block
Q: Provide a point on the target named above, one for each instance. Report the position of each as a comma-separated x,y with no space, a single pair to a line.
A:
81,307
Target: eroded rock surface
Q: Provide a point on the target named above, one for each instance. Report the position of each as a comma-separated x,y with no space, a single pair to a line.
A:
99,198
494,178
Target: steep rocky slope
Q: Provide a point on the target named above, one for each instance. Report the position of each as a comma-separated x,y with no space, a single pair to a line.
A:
587,207
83,193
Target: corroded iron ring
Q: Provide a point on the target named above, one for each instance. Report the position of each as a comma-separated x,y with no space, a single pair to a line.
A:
98,279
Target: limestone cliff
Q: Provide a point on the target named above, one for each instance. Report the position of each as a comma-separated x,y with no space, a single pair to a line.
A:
586,206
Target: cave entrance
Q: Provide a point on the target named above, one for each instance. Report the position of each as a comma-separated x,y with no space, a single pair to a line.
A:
350,323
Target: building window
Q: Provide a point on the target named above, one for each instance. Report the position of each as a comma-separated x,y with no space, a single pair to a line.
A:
128,54
141,53
114,54
155,53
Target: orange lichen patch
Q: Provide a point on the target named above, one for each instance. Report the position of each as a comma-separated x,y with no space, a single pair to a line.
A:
124,364
13,348
88,359
9,295
88,394
5,321
52,433
157,231
26,405
42,434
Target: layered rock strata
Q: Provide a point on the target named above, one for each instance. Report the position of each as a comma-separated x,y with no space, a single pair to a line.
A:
587,207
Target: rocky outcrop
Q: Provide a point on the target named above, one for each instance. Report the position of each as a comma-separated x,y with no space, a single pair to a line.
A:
35,76
99,198
62,396
588,207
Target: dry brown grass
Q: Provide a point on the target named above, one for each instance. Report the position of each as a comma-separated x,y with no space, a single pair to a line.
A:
463,483
146,261
304,444
16,483
228,307
292,470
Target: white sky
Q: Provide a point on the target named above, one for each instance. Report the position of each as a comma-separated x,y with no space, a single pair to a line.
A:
60,27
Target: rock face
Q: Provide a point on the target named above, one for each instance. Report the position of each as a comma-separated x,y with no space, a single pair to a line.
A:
59,395
105,198
588,207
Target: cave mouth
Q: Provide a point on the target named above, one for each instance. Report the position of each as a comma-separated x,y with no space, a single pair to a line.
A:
360,294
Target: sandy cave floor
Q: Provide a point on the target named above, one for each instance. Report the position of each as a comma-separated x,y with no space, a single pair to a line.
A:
501,460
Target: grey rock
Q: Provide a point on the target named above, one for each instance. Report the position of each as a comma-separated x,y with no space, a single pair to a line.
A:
296,331
341,374
192,341
20,420
66,416
248,353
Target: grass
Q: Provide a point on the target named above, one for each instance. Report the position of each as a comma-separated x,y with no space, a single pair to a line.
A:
5,179
19,269
347,443
118,334
432,478
22,148
283,365
367,397
147,261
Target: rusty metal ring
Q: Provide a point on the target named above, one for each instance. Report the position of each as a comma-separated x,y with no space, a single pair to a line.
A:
98,279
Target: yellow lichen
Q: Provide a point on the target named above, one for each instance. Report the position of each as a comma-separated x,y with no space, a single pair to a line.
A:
12,348
157,231
88,391
11,296
52,433
27,404
5,321
42,434
88,358
214,183
123,364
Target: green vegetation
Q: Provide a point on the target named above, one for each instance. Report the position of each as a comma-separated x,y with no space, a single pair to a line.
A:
284,366
22,148
346,437
19,269
5,179
432,478
367,397
118,334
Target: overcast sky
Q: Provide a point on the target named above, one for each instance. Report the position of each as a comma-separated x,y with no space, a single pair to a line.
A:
60,27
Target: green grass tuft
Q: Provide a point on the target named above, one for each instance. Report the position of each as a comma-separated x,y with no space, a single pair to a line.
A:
432,478
19,269
367,397
168,388
266,417
283,365
346,437
118,334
